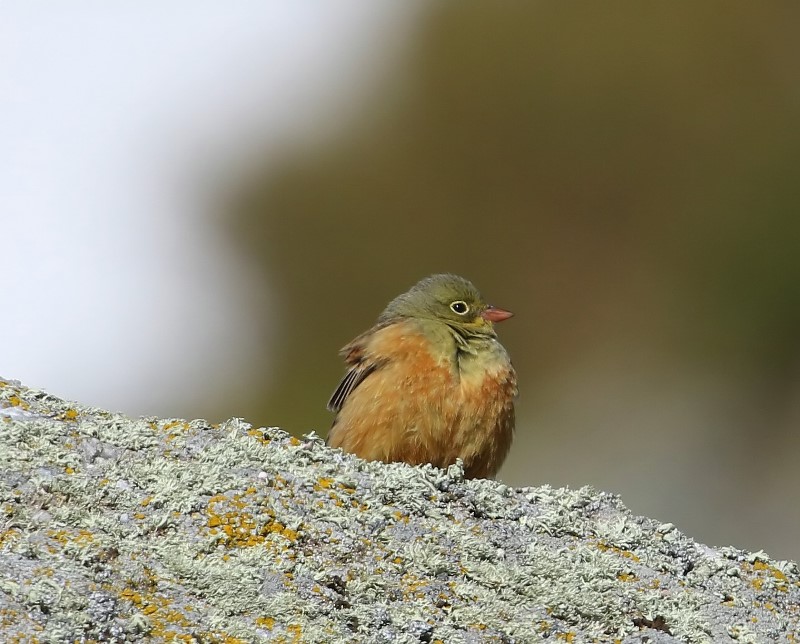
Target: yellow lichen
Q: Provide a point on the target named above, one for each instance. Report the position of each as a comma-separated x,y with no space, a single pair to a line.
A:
266,622
16,401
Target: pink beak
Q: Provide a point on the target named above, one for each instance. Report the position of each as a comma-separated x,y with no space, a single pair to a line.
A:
493,314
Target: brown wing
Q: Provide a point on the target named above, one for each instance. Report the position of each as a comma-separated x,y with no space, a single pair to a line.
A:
351,380
361,366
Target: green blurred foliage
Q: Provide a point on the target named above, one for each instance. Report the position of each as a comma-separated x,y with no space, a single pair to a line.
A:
607,171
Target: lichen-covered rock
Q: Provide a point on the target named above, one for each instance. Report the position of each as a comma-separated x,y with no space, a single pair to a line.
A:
121,529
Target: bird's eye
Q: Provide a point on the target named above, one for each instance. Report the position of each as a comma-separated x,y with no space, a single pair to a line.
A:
460,307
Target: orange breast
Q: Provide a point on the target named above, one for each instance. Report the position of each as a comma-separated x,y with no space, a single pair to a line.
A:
424,408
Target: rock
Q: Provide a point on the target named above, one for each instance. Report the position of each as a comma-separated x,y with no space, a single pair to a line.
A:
121,529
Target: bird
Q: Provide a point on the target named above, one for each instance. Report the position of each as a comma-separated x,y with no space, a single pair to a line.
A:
429,382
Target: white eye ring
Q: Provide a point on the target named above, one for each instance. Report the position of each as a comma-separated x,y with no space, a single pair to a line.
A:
459,307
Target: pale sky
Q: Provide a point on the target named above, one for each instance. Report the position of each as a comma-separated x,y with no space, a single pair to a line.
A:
117,288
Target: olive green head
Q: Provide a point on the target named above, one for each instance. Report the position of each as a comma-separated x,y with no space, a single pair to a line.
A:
446,298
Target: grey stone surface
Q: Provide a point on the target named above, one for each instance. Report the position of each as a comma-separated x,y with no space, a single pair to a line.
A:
121,529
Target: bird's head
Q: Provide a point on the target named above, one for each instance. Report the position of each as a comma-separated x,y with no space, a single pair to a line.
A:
449,299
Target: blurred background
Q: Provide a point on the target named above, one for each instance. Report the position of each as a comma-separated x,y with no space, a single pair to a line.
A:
199,208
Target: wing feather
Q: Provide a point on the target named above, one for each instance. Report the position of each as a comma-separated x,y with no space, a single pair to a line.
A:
352,379
361,362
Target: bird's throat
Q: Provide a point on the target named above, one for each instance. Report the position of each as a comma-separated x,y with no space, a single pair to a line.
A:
468,341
